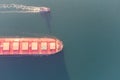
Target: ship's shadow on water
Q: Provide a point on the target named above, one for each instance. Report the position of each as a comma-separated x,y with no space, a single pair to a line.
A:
33,67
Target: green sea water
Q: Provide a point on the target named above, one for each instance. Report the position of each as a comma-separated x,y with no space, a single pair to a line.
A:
89,29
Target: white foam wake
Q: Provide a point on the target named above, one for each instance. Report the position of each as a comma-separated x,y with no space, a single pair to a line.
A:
17,8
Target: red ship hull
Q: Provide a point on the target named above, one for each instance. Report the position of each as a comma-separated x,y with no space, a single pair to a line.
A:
30,46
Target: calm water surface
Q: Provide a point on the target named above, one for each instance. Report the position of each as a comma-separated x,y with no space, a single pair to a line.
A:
89,29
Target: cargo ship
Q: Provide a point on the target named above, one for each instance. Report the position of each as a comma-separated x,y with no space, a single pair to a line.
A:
30,45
